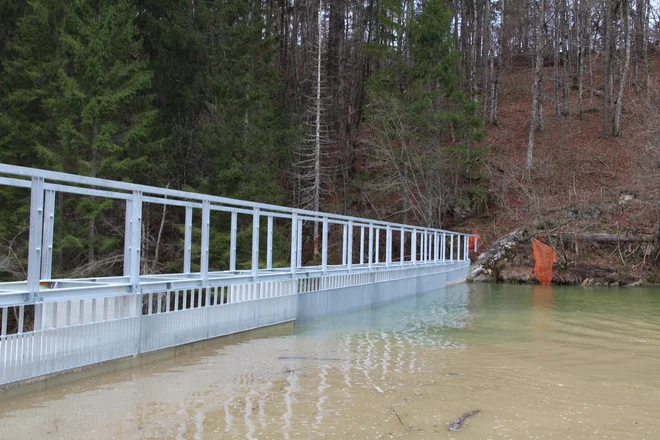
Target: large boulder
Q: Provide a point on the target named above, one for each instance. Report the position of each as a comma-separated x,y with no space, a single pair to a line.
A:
490,263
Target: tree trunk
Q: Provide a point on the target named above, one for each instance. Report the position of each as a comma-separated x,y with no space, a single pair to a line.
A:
580,42
591,72
607,68
536,85
555,64
317,131
625,17
565,56
486,54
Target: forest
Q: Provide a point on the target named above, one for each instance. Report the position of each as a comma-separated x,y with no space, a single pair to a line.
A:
468,114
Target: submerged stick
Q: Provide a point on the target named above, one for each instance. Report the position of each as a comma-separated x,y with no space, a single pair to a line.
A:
458,423
397,416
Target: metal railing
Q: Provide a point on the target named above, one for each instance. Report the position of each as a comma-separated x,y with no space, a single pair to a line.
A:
99,304
427,245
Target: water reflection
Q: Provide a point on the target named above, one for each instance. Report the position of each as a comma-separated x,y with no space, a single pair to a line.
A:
538,362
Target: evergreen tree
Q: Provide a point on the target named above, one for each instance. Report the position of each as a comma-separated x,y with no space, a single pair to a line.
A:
80,103
422,122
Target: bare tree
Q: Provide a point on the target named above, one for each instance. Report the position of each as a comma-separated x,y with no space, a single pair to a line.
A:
310,166
537,84
625,17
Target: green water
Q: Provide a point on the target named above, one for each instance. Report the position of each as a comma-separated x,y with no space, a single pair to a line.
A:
538,362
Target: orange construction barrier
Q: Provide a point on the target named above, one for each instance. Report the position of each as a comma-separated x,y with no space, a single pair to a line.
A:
544,258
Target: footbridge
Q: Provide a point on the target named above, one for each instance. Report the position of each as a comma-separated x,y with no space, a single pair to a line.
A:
51,325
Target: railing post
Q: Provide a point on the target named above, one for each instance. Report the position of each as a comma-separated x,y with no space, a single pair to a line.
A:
135,242
349,247
294,244
377,244
458,247
344,244
361,245
187,239
324,247
269,244
436,249
255,243
127,237
426,246
461,248
402,258
413,247
429,247
232,241
451,248
476,243
467,248
48,232
443,247
422,247
204,254
388,246
300,243
371,245
35,239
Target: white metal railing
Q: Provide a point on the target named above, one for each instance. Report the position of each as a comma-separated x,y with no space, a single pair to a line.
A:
427,245
58,324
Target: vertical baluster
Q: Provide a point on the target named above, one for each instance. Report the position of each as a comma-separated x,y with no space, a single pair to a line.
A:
204,251
451,248
361,245
371,246
187,241
135,241
269,244
388,245
413,246
443,247
232,241
344,244
3,327
294,244
402,245
300,243
324,246
255,243
349,247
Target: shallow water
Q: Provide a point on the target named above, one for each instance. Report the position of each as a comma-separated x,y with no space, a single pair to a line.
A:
539,362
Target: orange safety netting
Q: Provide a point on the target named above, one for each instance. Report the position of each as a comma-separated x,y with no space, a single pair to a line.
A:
544,258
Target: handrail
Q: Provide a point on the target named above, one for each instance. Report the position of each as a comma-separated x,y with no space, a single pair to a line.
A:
57,176
427,245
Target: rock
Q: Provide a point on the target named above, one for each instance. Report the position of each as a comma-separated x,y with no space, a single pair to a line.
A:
490,263
637,283
587,282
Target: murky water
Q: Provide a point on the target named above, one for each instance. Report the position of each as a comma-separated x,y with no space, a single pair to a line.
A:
540,363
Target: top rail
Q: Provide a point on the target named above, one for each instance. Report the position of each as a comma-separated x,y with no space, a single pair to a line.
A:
123,190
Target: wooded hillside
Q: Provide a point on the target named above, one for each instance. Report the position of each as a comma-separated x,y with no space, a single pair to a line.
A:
465,113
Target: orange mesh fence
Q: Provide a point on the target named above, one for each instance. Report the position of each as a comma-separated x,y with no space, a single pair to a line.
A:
544,258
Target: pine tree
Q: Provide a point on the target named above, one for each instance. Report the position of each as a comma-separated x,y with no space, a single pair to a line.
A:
81,103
